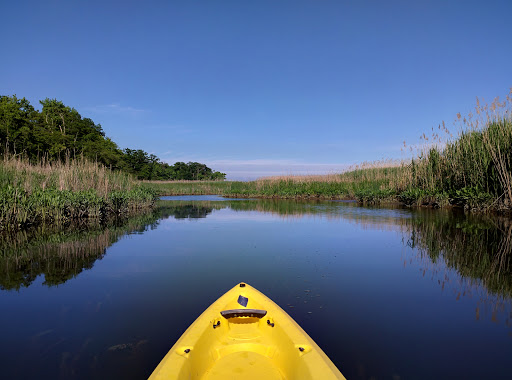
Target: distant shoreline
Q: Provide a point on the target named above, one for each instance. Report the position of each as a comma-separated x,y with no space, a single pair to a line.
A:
290,190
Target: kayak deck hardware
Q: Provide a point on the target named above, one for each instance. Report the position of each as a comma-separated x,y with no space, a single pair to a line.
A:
256,339
235,313
243,301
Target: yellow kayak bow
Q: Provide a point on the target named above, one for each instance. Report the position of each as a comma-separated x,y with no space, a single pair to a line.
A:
245,335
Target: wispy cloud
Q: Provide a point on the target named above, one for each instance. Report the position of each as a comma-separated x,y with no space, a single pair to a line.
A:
116,108
256,168
174,128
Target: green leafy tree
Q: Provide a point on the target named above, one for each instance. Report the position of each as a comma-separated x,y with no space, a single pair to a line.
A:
58,132
16,119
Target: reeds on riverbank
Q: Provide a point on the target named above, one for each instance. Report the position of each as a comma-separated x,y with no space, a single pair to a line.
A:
189,187
73,175
57,192
366,182
472,170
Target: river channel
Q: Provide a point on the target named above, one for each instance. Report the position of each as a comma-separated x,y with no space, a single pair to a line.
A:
387,293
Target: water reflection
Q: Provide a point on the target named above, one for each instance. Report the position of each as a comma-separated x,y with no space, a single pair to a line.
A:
187,210
327,263
60,253
477,247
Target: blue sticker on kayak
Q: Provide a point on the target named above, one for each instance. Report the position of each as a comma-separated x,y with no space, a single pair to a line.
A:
243,301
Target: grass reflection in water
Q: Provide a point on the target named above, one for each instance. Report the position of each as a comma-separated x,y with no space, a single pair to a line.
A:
478,247
460,257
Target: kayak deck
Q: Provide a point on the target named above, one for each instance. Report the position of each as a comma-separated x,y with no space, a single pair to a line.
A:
245,335
243,363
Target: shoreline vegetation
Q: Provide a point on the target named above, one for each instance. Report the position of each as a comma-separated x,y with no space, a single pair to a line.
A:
61,192
59,167
58,132
472,171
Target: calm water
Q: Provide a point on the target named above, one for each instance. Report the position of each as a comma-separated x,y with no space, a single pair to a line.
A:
387,293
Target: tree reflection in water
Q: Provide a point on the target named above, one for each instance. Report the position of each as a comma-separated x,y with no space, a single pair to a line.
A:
62,252
470,254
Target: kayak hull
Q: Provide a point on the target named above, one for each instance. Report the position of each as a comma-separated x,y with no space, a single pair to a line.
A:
245,335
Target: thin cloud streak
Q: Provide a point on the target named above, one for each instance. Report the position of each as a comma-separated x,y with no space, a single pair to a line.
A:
257,168
117,109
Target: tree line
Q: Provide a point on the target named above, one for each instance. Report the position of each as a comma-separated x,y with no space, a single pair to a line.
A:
58,131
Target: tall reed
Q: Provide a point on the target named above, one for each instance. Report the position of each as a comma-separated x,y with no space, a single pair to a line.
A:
474,166
73,174
188,187
61,191
471,168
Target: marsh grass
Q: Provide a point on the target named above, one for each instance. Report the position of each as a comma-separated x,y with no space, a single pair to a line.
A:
58,192
188,187
471,168
367,182
73,175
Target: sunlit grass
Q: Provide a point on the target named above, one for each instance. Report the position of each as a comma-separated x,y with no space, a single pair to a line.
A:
73,175
471,168
188,187
55,191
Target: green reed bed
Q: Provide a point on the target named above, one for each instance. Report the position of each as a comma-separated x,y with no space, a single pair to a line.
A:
290,187
357,184
59,192
188,187
473,170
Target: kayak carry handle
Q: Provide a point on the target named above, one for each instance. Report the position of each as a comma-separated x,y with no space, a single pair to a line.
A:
235,313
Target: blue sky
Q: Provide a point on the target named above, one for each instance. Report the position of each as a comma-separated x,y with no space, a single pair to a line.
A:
256,88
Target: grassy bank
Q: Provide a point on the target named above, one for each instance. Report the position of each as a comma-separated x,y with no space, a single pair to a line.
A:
58,192
368,184
189,187
471,169
475,170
